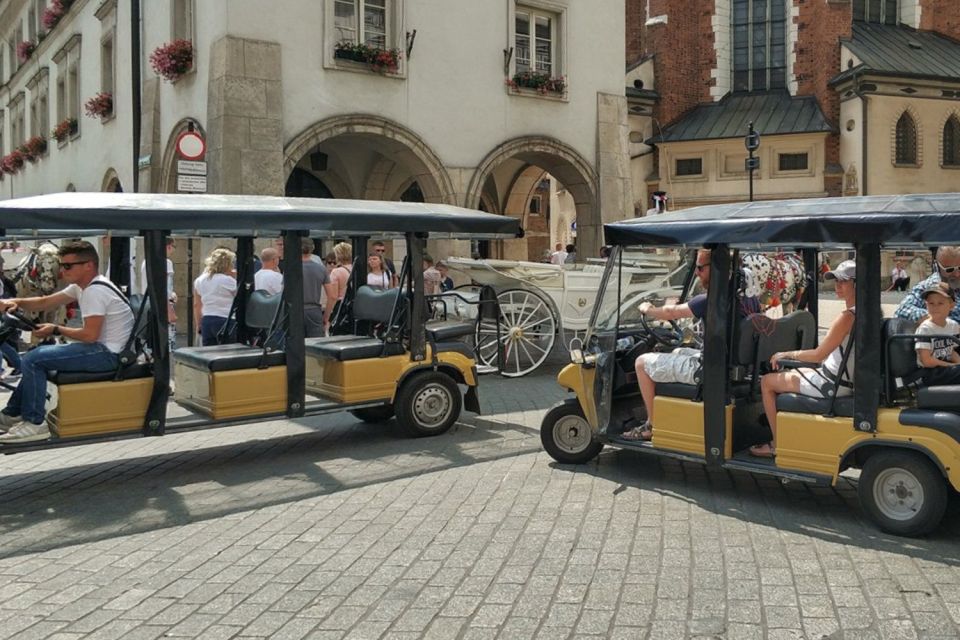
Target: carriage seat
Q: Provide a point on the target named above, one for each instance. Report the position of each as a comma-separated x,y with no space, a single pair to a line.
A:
760,338
261,310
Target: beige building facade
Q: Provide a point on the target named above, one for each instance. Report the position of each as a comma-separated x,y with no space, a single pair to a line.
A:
375,99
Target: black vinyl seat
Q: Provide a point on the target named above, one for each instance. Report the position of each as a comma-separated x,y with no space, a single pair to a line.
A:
369,305
138,370
447,330
760,338
903,370
261,311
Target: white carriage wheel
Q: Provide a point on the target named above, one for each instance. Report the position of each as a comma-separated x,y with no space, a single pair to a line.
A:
528,329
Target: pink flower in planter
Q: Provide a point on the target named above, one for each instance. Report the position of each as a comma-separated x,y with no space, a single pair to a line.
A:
173,59
100,105
53,14
34,148
25,49
63,129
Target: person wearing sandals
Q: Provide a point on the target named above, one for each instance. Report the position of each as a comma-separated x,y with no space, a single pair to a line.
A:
679,365
829,355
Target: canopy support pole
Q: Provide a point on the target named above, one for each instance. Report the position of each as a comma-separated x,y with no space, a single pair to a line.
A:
418,309
715,372
245,271
155,250
293,301
866,390
811,269
120,263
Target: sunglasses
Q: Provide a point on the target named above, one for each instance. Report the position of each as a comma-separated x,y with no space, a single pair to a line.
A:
380,250
948,270
66,266
701,267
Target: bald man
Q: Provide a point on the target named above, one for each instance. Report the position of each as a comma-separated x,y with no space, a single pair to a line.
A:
269,278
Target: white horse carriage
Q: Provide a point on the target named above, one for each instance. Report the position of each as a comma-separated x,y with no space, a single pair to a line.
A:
539,301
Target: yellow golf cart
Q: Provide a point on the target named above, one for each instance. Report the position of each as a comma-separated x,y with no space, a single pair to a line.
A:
903,438
389,359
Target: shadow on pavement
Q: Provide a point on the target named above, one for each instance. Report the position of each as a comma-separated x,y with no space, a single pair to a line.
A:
829,514
41,510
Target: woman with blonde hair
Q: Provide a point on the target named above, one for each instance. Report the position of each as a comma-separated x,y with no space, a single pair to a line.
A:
343,252
213,293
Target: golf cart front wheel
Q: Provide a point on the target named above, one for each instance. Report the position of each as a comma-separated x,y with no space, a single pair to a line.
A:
566,435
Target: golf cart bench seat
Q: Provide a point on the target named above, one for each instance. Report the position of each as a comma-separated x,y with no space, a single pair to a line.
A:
902,369
347,348
447,330
760,338
799,403
228,357
944,421
139,370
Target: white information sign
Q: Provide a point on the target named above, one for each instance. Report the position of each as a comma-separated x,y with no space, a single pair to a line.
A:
192,184
192,167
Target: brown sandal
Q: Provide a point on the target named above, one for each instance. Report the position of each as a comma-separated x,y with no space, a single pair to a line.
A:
642,433
764,450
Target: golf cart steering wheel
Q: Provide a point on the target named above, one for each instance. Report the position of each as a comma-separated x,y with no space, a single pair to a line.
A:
664,336
16,319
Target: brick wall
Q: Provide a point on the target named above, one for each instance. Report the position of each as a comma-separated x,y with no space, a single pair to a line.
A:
942,16
685,55
820,25
636,16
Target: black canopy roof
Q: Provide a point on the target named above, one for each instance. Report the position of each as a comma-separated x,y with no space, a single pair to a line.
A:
931,219
236,215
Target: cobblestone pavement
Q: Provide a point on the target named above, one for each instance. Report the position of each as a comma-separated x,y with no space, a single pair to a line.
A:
329,528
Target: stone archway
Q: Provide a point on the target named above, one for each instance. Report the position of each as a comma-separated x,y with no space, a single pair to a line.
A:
168,173
111,182
561,161
370,154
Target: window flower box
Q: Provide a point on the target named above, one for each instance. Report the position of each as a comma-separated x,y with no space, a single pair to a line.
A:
34,148
54,13
100,105
25,49
12,162
379,60
542,83
172,60
64,129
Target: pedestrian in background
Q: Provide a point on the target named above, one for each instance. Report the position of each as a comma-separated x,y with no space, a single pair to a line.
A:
431,277
316,281
377,276
269,278
446,282
571,254
213,294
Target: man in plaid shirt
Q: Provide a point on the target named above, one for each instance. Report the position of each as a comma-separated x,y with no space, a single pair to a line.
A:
947,270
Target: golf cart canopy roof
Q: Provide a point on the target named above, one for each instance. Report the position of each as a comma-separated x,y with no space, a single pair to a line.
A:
64,214
908,220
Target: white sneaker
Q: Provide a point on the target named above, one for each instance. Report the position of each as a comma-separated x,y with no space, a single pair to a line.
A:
7,421
26,432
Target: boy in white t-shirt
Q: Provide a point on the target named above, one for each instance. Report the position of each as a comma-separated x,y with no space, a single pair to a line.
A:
938,354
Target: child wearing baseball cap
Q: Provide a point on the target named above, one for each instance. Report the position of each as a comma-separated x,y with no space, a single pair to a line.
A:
937,354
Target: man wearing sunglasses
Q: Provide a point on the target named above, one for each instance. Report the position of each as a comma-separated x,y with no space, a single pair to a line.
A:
93,347
947,270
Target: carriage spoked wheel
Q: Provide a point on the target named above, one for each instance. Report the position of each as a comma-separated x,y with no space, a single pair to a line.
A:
528,329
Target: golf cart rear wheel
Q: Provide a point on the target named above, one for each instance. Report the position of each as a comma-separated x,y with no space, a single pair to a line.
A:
902,492
373,414
428,403
566,435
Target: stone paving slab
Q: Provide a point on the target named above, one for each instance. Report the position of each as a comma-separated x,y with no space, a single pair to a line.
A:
330,528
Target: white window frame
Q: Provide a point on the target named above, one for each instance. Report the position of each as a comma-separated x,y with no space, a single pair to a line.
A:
558,14
17,120
67,60
107,15
183,27
396,38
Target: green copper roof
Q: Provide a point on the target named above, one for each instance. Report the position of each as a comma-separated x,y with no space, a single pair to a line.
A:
889,50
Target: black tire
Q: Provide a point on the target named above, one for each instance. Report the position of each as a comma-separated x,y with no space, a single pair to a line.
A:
566,435
428,404
902,492
373,414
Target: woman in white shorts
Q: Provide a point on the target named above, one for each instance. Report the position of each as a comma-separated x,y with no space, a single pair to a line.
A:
821,381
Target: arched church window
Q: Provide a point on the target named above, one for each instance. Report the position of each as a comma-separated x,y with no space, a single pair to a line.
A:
951,142
906,140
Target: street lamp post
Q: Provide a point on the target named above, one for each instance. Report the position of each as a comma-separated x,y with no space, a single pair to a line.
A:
752,143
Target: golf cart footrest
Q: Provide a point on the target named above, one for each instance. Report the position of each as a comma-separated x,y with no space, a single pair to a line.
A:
228,357
944,397
798,403
356,349
449,330
140,370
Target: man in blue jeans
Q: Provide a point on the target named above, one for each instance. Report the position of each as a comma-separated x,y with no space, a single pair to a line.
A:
94,347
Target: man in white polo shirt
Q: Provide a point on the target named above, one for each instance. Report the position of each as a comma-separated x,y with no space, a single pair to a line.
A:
94,347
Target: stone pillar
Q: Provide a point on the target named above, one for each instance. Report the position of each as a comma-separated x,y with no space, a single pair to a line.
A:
245,118
613,171
150,147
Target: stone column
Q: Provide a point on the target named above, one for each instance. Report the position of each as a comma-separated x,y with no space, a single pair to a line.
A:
613,171
245,118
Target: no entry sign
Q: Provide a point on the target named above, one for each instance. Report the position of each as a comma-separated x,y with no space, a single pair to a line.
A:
190,145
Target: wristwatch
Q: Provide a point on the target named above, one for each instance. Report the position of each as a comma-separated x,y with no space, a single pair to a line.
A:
56,330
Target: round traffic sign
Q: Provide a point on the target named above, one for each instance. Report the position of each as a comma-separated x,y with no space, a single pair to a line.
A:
190,145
